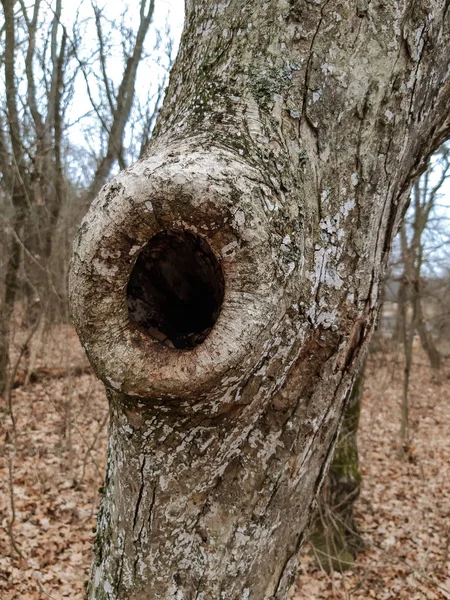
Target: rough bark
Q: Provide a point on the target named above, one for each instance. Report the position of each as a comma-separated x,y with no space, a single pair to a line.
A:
289,139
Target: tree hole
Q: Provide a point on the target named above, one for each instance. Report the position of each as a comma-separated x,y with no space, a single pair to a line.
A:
176,288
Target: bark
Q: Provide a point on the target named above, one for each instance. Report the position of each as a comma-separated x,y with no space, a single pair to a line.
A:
335,533
286,147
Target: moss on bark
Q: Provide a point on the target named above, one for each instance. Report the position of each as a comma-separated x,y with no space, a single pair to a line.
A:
335,536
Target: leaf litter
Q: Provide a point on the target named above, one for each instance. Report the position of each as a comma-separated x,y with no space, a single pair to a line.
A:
56,470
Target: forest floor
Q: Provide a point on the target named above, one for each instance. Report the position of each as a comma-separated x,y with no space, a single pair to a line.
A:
52,469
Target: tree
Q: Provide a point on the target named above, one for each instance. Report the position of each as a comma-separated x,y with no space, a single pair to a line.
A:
425,196
120,101
17,180
225,287
335,534
413,255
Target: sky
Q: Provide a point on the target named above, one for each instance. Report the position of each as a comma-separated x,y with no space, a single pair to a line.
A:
151,69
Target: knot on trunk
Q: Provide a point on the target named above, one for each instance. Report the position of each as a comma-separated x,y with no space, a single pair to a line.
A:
173,282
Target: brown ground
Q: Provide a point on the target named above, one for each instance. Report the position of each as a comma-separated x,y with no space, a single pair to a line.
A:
403,512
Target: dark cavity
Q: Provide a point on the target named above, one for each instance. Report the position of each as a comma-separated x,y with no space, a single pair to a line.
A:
176,289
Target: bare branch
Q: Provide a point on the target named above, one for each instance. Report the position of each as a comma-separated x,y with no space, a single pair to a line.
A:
124,101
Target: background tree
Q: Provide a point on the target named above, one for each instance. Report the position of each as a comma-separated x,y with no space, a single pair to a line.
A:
281,165
413,246
115,108
335,534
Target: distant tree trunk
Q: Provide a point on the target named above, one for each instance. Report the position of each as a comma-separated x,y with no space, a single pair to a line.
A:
425,338
225,286
403,291
16,185
56,179
120,105
408,343
423,201
335,535
412,254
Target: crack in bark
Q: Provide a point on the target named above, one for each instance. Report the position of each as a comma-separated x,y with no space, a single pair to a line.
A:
139,537
141,491
357,34
413,91
280,587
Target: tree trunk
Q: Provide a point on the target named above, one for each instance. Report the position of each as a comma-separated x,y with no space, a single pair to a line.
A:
282,160
17,186
335,535
426,339
402,309
424,200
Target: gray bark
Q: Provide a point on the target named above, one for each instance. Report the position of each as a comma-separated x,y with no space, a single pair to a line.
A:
289,139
